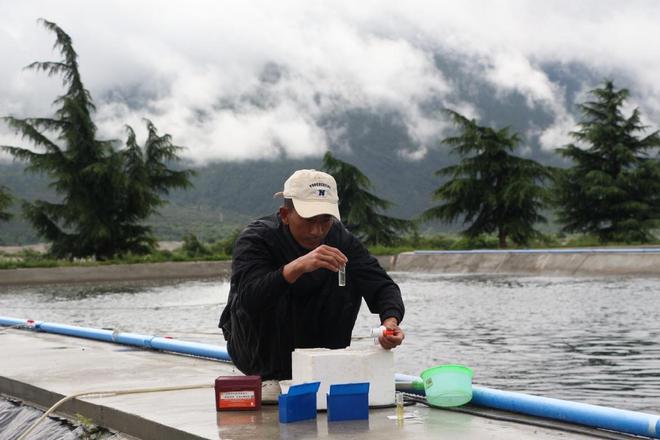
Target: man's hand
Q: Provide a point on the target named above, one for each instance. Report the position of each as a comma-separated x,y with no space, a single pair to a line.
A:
321,257
390,341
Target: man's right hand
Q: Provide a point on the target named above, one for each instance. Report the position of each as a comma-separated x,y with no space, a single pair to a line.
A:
321,257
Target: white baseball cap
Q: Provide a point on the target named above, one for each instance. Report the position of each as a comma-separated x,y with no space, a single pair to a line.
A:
312,192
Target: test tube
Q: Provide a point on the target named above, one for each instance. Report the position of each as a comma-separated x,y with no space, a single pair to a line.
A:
398,399
342,275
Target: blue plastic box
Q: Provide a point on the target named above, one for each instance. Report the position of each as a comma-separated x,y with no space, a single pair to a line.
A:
349,401
299,403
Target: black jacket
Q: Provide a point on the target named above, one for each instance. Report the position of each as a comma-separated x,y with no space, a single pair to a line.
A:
266,318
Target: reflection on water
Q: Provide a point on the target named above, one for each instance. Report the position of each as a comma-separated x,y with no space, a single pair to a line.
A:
583,339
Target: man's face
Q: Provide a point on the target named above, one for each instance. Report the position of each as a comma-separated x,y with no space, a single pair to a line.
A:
308,232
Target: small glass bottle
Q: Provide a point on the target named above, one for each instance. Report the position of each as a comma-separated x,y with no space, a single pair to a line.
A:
342,275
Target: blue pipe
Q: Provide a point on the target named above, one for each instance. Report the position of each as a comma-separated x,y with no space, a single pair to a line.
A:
619,420
146,341
191,348
579,413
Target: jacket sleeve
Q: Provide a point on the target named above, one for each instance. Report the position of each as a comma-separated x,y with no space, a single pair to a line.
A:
256,273
380,292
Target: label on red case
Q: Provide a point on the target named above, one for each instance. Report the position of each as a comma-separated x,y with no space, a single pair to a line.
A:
237,399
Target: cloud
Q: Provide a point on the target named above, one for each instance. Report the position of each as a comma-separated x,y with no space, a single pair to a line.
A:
233,80
558,134
513,71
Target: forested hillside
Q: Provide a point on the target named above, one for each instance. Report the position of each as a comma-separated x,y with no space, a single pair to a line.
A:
227,194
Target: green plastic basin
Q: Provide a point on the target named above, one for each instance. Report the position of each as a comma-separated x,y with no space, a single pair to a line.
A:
448,385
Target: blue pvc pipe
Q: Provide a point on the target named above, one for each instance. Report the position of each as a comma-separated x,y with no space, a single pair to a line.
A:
145,341
582,413
191,348
619,420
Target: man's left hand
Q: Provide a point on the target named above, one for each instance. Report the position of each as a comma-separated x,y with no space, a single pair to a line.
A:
390,341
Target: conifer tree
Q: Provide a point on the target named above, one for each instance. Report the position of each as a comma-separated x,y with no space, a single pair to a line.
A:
613,188
5,202
490,190
105,193
360,209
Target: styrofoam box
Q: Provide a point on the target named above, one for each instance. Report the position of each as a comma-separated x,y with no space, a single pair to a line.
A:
348,365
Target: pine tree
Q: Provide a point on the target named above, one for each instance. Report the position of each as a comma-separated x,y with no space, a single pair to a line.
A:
490,189
5,202
105,193
613,189
359,208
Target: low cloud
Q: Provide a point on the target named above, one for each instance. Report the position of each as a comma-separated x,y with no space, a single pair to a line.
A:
237,81
514,72
558,134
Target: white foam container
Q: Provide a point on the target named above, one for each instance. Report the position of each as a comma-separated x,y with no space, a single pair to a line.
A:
349,365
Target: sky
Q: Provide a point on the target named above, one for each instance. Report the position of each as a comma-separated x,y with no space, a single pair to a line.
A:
256,79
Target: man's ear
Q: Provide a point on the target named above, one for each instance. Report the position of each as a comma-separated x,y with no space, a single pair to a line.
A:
284,214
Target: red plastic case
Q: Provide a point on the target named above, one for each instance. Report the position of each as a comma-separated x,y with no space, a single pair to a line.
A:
237,393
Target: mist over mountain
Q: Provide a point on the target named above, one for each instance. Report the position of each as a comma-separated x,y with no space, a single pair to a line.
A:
228,193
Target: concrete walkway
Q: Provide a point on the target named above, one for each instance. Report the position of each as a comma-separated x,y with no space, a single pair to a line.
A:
564,262
115,272
42,368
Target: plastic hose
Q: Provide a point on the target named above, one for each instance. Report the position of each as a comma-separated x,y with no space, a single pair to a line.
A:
106,394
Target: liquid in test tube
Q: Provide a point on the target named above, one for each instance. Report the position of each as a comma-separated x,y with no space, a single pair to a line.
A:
342,275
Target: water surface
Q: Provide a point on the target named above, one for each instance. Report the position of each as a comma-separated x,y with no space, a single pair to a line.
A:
594,340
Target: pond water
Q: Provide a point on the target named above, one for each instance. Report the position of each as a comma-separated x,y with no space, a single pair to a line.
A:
594,340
